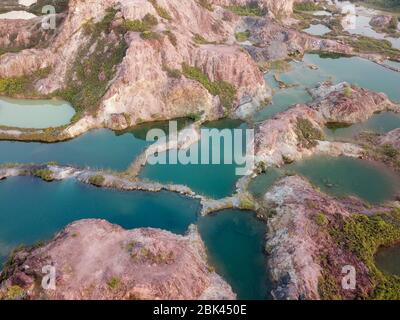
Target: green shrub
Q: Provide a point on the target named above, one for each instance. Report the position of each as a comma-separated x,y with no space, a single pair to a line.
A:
114,283
97,180
150,35
199,39
15,293
347,92
172,73
248,10
44,174
364,235
206,4
321,219
162,12
12,86
369,45
307,133
226,92
223,89
242,36
389,151
146,24
246,202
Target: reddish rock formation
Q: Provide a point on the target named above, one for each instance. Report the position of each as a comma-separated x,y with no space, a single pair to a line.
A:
276,41
302,253
383,21
142,87
345,104
24,34
391,138
94,259
297,132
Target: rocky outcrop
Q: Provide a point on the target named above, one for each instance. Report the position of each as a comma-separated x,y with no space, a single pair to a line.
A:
391,138
94,259
383,21
303,255
345,104
298,132
16,35
276,41
143,87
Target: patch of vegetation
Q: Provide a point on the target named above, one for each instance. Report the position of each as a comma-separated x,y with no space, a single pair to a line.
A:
279,66
88,80
97,180
172,37
141,254
15,86
332,55
14,293
162,12
172,73
44,174
206,4
150,35
347,92
369,45
199,39
195,116
307,133
246,202
307,6
146,24
389,151
10,263
252,9
364,235
12,86
321,219
337,125
327,287
114,283
242,36
223,89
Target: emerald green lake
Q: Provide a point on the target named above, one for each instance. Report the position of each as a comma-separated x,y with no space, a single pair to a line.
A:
339,177
37,114
281,101
235,242
378,123
96,149
33,210
353,70
360,72
214,180
388,260
317,30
